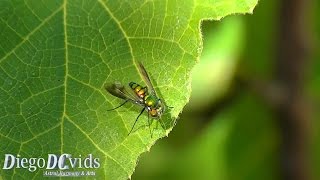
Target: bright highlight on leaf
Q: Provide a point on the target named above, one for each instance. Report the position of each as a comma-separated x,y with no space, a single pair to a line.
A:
56,56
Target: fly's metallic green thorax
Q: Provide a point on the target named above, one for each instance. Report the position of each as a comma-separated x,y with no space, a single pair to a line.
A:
155,106
143,96
151,101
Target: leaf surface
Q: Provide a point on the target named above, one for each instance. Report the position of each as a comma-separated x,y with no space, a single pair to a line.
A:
56,57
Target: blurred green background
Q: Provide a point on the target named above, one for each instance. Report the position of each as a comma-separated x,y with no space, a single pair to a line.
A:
226,131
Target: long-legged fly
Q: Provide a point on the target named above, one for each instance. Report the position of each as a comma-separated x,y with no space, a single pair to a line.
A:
143,96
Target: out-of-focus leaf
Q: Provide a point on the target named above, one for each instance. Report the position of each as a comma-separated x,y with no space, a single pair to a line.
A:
211,77
56,56
236,145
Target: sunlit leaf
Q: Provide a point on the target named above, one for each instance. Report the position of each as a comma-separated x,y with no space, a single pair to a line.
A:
56,56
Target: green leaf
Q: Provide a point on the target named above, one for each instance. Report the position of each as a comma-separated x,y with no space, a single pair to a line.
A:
56,56
222,45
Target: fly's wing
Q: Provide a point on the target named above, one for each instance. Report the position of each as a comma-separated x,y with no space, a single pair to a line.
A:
146,78
118,90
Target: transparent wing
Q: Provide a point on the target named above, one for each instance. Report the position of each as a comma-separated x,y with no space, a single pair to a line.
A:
118,90
146,77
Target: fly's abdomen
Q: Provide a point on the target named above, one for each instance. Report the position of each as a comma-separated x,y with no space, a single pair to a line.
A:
139,90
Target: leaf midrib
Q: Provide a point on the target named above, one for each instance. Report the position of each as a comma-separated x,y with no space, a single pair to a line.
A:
64,114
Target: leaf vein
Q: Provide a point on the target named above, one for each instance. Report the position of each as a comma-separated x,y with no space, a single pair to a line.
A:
31,33
95,145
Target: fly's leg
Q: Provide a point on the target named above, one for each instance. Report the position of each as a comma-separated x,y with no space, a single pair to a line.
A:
149,125
136,121
118,106
162,125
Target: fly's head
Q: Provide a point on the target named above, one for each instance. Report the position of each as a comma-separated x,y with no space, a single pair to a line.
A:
157,110
155,106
